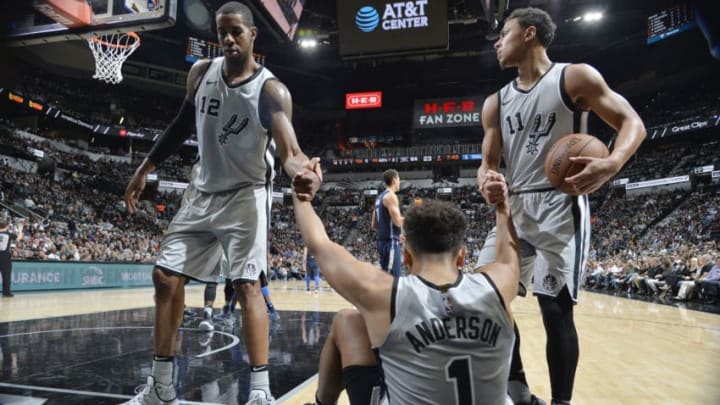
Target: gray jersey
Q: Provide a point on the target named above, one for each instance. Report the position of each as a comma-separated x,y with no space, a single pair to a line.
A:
447,345
531,121
235,149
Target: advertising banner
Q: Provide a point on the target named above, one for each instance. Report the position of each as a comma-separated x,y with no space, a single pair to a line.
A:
368,99
372,27
448,112
35,276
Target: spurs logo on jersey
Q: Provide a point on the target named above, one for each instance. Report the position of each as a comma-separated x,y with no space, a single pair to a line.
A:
231,128
539,133
531,121
236,150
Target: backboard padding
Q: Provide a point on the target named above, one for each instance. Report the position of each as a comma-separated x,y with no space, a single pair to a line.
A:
110,16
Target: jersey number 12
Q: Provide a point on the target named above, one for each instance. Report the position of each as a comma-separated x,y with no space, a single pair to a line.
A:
212,106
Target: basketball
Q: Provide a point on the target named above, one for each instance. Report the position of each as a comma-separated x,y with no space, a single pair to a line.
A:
557,162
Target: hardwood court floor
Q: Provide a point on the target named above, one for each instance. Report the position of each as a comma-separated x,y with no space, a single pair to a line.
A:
632,352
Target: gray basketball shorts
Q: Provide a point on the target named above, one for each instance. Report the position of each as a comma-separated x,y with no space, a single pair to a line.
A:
209,224
554,232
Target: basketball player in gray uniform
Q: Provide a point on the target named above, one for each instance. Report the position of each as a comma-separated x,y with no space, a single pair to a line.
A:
443,337
522,121
241,112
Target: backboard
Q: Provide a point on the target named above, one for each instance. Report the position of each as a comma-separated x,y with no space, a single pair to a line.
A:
44,21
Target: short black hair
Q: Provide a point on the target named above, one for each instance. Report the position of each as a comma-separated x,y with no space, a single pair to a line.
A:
435,227
540,19
234,7
389,175
3,223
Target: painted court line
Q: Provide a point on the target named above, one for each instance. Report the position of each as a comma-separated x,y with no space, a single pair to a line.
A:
87,393
65,391
235,339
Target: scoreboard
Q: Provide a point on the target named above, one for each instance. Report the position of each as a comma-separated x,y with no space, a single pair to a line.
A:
201,49
669,22
409,159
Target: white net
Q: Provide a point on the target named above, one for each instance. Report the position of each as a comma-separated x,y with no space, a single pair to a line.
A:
110,51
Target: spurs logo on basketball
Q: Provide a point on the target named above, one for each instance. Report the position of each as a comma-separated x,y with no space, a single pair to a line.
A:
539,132
232,127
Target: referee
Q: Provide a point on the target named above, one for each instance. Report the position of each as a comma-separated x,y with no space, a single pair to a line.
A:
6,254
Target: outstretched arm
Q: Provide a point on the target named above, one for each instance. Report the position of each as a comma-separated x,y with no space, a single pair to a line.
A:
276,111
170,141
366,287
358,282
491,152
589,91
505,270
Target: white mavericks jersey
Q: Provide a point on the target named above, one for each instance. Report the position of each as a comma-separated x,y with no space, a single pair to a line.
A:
447,345
531,121
235,149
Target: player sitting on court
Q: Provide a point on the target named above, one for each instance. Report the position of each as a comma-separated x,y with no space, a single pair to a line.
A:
443,337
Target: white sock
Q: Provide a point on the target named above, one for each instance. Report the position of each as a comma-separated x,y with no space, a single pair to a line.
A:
162,370
208,312
260,379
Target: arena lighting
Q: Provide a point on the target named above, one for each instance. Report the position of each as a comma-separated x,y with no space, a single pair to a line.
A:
308,43
35,106
593,16
15,98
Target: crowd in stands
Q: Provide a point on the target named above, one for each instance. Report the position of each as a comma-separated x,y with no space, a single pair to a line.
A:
96,102
78,213
680,103
680,277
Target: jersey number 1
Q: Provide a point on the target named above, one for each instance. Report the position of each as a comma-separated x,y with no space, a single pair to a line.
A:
458,370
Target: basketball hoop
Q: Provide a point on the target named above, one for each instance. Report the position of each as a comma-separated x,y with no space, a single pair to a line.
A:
110,51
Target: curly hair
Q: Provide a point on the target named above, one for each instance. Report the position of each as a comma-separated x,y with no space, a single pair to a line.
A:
540,19
435,227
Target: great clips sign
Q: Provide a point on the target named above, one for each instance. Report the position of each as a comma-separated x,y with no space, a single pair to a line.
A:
370,99
372,27
448,112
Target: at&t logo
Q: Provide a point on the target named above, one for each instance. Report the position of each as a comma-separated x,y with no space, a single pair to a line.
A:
396,16
367,19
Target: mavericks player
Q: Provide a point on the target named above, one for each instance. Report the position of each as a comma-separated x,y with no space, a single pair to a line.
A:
522,121
388,221
443,337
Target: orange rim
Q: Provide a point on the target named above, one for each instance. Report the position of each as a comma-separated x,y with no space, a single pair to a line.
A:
135,36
